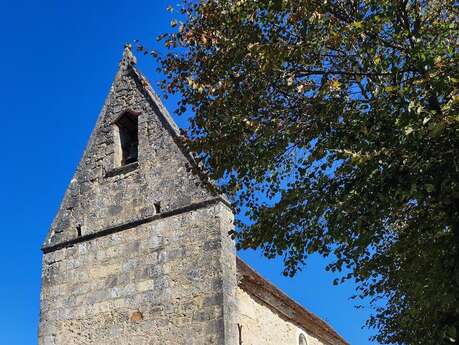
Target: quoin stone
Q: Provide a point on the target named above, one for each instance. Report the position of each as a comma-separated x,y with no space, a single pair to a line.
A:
139,251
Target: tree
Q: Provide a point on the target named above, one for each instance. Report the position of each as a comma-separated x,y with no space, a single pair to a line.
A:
333,126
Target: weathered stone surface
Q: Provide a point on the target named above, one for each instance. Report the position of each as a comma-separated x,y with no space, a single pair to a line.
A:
262,325
157,283
268,314
117,272
102,194
140,253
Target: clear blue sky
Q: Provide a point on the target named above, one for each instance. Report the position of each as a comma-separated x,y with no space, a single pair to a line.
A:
57,60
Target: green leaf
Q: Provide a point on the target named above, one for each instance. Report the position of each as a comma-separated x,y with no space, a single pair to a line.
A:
430,188
391,88
409,130
357,24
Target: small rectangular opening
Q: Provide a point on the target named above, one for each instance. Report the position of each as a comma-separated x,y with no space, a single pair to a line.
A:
78,228
157,207
127,139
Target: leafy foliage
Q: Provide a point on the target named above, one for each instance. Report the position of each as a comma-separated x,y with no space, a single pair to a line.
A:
333,125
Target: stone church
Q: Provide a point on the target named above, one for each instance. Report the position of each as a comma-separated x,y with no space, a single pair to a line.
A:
139,252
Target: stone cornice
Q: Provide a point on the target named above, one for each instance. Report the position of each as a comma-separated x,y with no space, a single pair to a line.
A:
120,227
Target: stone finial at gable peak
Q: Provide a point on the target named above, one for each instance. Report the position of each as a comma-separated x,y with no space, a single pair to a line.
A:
128,58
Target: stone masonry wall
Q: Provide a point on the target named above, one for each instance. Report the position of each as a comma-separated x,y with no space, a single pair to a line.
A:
117,269
101,194
159,283
262,325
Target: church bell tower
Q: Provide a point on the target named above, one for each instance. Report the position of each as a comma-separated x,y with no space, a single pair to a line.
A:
139,251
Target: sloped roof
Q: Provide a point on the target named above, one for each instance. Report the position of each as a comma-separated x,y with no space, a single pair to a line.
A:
265,292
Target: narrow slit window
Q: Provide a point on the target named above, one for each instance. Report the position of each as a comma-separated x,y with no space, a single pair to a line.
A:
157,207
128,139
78,228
